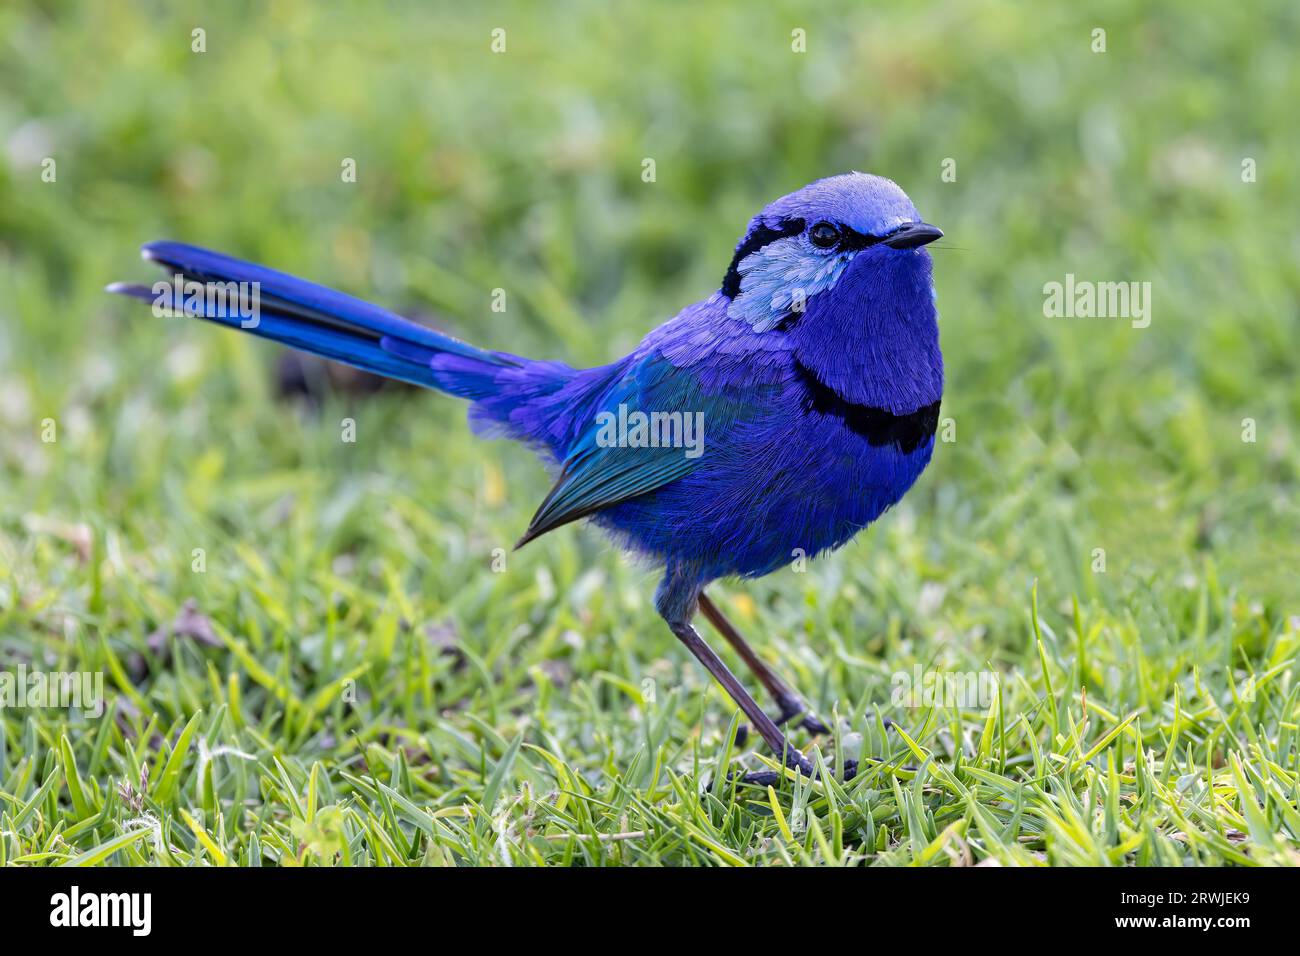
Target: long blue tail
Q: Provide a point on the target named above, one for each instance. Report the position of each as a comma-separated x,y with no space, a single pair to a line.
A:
542,403
305,315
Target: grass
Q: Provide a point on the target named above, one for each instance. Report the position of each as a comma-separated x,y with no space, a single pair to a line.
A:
359,680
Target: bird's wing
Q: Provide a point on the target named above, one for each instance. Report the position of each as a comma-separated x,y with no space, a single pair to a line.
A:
597,473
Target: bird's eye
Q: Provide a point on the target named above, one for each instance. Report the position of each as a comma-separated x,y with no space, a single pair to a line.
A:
824,235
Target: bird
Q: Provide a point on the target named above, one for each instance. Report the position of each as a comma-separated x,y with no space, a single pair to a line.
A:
769,422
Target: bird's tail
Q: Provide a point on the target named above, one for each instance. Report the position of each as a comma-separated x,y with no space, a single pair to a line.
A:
313,318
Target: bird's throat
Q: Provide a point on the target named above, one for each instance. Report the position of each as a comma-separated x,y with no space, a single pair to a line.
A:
872,341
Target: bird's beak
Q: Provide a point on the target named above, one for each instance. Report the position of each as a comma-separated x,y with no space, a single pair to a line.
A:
910,235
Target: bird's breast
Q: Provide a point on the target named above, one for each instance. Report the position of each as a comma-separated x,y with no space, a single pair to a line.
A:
880,427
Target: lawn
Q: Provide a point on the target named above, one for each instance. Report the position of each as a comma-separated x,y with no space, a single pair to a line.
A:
319,651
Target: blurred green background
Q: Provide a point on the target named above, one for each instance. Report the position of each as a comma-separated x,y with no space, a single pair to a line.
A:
523,171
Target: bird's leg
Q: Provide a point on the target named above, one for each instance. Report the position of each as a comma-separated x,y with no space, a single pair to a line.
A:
764,724
786,697
677,609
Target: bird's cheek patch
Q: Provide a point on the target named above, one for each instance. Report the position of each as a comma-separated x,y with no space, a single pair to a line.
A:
779,279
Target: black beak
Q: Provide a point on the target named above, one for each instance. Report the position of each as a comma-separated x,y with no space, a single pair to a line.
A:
910,235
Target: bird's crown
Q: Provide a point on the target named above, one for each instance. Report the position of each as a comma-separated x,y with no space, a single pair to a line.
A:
870,205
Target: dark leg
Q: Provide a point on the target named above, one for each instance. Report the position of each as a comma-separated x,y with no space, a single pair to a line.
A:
676,601
786,698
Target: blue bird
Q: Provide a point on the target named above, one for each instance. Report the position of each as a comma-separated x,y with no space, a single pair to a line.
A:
773,420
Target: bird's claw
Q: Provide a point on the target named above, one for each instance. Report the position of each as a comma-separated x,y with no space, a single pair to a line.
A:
814,726
770,778
808,723
794,759
792,707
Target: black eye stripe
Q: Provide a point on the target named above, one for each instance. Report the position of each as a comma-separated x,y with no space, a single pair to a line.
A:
851,239
843,240
757,239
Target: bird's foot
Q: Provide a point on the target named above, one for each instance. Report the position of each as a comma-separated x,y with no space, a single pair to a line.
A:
793,759
796,760
808,723
770,778
814,726
792,707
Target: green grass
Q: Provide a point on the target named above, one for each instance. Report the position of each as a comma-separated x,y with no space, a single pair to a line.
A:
373,692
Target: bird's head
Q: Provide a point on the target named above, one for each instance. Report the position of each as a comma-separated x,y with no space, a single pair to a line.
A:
803,244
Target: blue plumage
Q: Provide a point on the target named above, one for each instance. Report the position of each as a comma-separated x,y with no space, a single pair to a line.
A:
814,375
